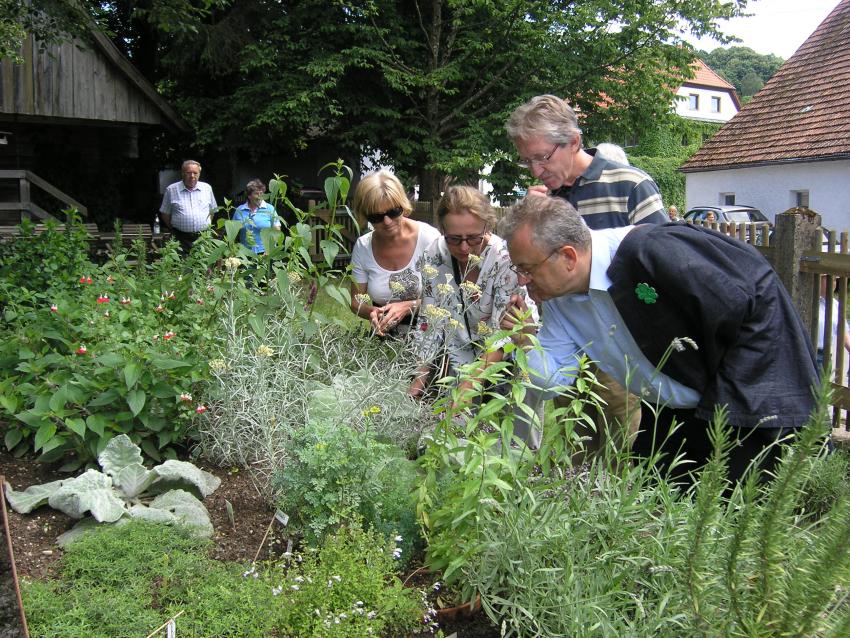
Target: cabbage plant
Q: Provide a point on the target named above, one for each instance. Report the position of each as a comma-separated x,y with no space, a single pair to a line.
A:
169,493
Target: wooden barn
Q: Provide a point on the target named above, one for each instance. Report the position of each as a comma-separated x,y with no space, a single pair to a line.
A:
79,126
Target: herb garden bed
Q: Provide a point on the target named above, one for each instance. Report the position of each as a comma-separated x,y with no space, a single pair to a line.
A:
34,535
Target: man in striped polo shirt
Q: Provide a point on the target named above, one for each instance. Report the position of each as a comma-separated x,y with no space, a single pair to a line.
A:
606,194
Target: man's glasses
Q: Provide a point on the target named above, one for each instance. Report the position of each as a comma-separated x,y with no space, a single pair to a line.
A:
377,218
472,240
528,273
539,161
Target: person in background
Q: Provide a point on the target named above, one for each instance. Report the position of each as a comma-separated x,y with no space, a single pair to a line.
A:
834,327
673,213
707,306
710,217
188,205
255,214
613,152
606,194
387,286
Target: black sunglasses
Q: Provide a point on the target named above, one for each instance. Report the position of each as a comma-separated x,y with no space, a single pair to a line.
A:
377,218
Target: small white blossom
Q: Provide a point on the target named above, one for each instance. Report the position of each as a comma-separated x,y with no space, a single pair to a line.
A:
276,591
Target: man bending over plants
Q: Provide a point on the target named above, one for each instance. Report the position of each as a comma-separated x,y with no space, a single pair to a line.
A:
623,295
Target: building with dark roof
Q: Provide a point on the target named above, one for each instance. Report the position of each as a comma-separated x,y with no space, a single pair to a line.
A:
790,145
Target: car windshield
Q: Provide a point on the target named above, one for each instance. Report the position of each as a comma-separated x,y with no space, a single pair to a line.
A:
743,216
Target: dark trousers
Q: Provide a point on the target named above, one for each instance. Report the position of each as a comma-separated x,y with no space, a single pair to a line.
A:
186,239
691,438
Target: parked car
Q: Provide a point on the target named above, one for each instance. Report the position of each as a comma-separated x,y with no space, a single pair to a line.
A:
736,214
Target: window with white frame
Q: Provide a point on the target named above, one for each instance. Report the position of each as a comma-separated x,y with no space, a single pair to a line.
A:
693,101
727,199
800,198
715,105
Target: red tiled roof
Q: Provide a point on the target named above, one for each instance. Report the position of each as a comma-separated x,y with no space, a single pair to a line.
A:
704,75
801,114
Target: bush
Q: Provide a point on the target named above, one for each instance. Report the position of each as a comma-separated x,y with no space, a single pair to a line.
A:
126,581
292,370
338,474
120,350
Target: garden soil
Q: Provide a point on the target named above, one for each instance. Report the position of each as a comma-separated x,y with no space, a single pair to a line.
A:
33,535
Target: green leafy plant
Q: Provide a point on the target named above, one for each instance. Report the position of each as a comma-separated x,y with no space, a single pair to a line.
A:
126,581
167,493
337,474
48,259
618,548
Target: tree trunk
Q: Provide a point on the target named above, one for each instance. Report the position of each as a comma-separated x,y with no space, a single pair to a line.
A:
429,185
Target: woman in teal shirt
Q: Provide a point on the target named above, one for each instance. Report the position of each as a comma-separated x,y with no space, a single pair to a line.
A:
255,214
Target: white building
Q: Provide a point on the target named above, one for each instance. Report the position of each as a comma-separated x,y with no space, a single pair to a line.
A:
790,145
706,97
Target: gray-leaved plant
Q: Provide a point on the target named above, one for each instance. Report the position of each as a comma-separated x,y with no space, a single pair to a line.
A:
169,493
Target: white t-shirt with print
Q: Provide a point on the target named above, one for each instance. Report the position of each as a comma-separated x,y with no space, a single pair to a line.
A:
365,270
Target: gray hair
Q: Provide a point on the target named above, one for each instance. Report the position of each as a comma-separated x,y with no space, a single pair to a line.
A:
255,186
612,152
190,163
546,116
553,223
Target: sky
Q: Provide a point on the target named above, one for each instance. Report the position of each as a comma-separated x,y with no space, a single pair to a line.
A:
776,26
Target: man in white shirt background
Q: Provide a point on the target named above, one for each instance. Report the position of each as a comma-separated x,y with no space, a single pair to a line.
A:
188,205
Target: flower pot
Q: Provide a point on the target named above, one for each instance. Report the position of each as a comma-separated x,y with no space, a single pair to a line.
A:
451,614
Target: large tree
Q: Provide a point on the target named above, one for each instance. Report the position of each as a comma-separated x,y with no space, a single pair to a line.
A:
745,69
426,83
429,83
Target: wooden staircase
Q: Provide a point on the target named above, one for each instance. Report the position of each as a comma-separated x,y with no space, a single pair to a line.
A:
16,202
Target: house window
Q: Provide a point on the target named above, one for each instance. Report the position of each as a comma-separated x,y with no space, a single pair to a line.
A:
693,101
715,105
727,199
800,198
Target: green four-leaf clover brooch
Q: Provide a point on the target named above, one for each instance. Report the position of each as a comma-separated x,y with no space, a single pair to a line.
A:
646,293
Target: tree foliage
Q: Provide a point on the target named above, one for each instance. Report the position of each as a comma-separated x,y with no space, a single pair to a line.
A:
745,69
427,84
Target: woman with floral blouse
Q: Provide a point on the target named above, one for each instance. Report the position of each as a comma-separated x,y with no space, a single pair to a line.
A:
467,282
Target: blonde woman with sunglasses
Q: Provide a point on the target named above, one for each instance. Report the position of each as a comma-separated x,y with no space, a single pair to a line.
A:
387,286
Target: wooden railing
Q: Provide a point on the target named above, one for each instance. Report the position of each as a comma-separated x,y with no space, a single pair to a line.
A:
25,205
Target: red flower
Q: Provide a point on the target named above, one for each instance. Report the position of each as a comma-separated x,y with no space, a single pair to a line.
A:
54,308
423,326
201,409
125,301
199,301
168,335
104,298
85,280
159,308
81,350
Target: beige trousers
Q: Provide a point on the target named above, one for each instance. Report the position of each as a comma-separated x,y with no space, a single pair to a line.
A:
619,414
